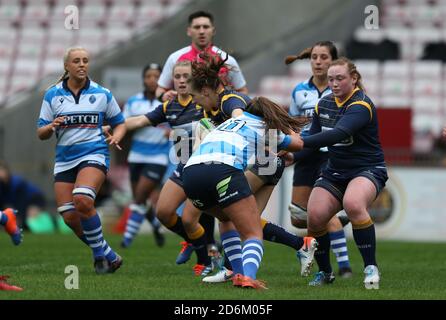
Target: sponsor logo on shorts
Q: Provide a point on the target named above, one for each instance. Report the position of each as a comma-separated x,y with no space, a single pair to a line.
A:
228,196
222,186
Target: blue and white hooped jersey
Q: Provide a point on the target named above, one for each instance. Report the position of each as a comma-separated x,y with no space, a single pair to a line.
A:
149,144
238,142
303,100
80,138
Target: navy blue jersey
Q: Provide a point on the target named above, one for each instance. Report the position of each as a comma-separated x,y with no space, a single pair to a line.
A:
182,116
356,118
228,101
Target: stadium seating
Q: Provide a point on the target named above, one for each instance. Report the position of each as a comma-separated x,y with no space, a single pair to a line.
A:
36,31
419,29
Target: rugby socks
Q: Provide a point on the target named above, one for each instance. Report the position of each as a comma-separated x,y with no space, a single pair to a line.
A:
232,245
151,217
93,234
110,255
338,245
364,235
176,225
275,233
322,254
252,256
134,222
208,223
198,240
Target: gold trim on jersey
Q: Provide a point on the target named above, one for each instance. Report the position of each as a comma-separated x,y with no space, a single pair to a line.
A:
340,103
365,104
184,103
165,106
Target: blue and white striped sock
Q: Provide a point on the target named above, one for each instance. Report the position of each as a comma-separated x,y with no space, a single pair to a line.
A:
110,255
93,234
338,245
134,222
252,256
232,244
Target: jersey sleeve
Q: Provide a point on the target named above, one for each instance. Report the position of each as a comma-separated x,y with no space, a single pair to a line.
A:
235,74
293,110
158,115
113,114
46,113
230,102
283,141
165,79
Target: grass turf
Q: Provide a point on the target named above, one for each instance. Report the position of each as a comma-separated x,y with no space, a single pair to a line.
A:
409,271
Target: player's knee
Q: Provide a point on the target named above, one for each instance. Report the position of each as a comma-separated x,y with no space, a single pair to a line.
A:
353,207
83,204
83,199
164,213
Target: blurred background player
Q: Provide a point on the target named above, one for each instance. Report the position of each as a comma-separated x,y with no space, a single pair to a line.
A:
8,220
308,165
75,109
18,193
201,30
346,122
148,158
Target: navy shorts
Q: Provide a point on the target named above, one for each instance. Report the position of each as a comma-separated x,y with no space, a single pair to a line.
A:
70,175
177,174
307,171
151,171
273,178
336,183
216,184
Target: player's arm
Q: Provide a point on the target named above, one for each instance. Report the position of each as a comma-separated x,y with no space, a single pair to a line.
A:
356,117
133,123
45,132
153,118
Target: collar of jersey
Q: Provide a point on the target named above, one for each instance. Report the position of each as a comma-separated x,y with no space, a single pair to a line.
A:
341,103
84,88
197,51
184,103
311,84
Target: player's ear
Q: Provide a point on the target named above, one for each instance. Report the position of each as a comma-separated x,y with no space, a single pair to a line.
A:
188,32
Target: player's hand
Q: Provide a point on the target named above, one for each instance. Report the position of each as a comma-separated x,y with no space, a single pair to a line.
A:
111,140
444,133
169,95
57,122
286,156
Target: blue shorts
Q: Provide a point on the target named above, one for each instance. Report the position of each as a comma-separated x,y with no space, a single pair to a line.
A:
269,179
307,171
336,183
177,175
70,175
211,185
151,171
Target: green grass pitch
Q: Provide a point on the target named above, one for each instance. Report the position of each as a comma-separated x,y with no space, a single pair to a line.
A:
409,271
